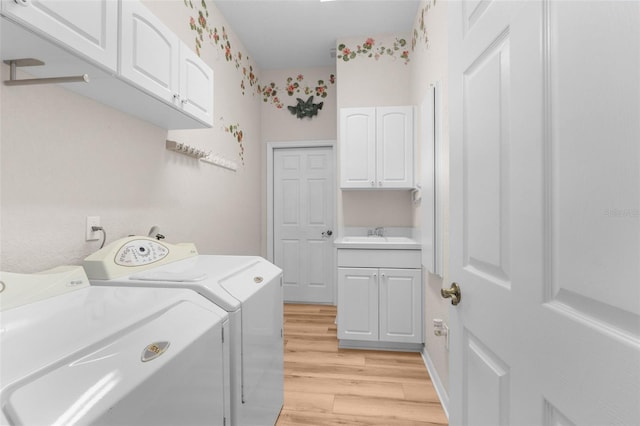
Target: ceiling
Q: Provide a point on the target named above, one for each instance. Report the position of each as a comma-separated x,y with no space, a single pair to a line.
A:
301,33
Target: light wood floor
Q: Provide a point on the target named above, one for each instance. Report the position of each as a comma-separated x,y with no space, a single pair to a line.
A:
324,385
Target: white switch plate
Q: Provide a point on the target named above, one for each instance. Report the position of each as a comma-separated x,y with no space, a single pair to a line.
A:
90,234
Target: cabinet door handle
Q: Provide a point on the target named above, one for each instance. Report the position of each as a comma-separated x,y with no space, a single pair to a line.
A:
373,183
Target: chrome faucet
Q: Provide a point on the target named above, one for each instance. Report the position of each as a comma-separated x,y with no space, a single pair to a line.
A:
378,232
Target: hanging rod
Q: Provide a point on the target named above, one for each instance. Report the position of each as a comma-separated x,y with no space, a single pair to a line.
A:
30,62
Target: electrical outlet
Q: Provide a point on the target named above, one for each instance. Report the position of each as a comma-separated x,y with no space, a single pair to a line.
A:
92,235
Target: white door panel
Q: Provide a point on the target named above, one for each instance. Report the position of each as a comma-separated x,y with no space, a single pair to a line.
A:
303,211
545,212
400,305
394,147
358,295
149,52
89,27
358,157
196,85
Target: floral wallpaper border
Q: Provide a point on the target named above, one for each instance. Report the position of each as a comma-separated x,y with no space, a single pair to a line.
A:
369,49
271,92
420,33
294,86
238,135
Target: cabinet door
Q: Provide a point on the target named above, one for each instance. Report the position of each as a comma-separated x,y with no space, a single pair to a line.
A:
357,148
149,52
394,147
400,305
196,85
89,27
358,304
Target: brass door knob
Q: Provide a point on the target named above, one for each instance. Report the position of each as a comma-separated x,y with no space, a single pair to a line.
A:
453,293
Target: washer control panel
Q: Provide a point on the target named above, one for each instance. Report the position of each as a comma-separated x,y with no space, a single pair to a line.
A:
140,252
133,255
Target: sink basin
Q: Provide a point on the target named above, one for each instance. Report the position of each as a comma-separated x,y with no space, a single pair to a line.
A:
375,241
369,239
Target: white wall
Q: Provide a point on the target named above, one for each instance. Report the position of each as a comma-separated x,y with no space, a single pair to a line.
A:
430,65
65,157
365,81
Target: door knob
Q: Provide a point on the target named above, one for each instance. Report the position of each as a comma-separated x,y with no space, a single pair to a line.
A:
453,293
327,233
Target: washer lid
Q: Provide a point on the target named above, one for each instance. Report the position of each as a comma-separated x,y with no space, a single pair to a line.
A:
181,277
35,338
246,281
112,377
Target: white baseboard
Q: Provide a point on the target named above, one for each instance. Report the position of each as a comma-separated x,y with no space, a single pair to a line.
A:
437,383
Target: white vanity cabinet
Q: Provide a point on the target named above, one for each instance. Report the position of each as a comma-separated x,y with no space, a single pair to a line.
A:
379,298
153,58
376,148
89,28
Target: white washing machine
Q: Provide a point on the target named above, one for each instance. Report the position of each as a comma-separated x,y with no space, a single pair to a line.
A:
249,288
76,354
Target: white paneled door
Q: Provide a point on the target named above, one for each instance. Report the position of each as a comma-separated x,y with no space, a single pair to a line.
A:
303,204
545,212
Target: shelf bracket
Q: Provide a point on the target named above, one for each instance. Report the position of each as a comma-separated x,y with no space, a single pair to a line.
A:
30,62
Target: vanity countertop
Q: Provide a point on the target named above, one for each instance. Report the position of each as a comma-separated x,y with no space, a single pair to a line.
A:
376,242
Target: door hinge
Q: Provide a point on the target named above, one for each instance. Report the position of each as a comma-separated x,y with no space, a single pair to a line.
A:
223,335
281,333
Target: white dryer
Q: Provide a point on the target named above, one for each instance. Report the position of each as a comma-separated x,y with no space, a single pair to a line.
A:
76,354
249,288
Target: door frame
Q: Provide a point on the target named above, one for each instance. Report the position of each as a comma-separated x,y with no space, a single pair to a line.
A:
299,144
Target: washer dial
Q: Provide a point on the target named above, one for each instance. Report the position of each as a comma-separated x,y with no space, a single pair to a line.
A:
140,252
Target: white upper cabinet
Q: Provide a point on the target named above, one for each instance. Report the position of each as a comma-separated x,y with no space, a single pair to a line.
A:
135,63
394,147
357,147
154,58
149,52
196,85
88,27
376,148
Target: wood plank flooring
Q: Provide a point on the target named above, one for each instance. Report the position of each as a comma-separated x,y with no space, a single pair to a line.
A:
324,385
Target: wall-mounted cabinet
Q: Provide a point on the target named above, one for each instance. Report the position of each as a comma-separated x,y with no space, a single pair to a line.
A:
377,148
152,75
154,58
89,28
